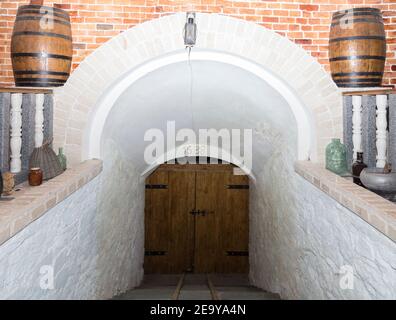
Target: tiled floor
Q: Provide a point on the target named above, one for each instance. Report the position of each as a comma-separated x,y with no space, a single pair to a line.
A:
196,287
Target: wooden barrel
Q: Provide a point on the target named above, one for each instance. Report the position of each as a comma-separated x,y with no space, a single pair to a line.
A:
41,46
357,47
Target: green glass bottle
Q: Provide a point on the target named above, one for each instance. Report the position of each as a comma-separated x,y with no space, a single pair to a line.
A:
62,159
336,157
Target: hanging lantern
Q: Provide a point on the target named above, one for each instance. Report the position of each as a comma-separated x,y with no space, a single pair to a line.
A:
190,30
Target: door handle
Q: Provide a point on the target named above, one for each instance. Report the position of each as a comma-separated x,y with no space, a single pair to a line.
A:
205,212
198,212
195,212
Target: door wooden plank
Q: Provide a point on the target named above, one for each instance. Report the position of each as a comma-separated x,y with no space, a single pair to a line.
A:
181,203
235,223
215,242
208,227
157,224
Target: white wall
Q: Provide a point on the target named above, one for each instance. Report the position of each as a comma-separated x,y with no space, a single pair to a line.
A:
62,238
209,95
301,238
93,240
275,58
120,231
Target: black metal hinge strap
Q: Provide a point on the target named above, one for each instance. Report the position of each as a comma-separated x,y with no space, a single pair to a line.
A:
155,253
238,186
237,253
156,186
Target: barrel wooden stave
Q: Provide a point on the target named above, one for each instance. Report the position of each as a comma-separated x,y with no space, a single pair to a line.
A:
357,55
41,56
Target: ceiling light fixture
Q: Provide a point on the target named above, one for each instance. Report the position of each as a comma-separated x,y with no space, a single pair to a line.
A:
190,30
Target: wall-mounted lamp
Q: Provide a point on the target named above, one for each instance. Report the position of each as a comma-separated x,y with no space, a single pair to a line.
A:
190,30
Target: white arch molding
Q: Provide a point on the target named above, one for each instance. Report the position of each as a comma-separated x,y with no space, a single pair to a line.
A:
212,152
92,140
83,104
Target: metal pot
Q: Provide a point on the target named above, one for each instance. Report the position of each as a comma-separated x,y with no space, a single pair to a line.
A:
376,179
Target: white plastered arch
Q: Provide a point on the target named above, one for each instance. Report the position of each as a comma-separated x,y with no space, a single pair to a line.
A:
313,97
92,139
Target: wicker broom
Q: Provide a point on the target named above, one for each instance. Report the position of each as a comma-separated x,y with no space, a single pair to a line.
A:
45,159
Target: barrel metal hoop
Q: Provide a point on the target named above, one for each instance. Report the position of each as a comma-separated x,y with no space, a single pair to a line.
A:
356,14
382,38
56,14
40,55
357,80
359,85
357,11
39,7
40,72
27,18
348,74
352,21
39,33
364,57
38,79
40,84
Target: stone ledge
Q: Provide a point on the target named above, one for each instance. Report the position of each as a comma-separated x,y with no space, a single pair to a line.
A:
25,90
30,203
372,208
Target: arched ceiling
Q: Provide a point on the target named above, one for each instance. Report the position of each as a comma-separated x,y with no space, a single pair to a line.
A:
83,103
201,95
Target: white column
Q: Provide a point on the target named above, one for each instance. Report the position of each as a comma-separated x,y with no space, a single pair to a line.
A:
39,120
381,130
356,125
16,132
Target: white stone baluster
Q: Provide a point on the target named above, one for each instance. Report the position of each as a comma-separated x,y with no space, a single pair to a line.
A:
381,124
16,132
39,120
356,125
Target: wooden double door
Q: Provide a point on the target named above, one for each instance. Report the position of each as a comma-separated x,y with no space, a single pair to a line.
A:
196,220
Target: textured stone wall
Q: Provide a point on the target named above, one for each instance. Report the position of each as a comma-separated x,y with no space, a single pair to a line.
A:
93,240
64,239
301,238
120,233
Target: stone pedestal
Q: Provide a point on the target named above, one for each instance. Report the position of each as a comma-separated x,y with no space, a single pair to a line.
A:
28,114
369,130
347,139
392,131
48,117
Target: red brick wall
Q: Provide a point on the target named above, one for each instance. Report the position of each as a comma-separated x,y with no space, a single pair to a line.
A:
306,22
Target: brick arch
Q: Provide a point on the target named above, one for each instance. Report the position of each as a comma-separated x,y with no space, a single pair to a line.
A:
311,84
